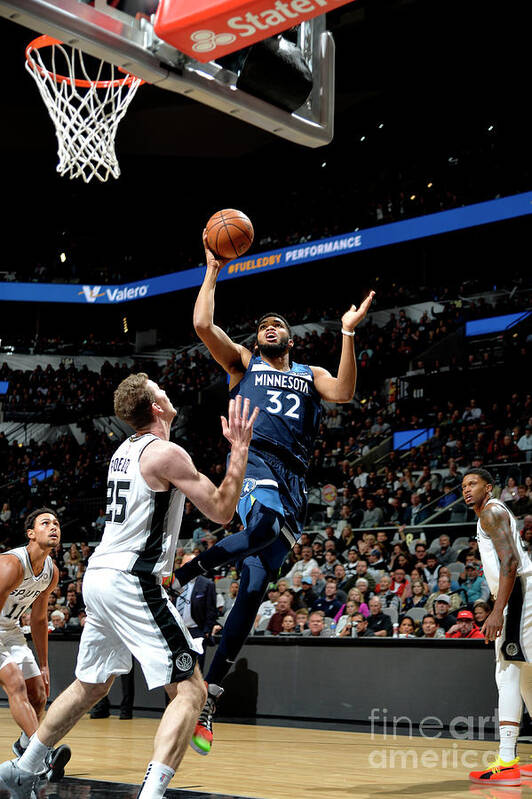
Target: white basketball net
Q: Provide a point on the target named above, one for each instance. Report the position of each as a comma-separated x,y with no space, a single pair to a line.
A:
86,117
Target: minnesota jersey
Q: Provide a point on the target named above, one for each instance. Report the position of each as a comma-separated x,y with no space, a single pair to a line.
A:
141,525
488,553
32,585
290,408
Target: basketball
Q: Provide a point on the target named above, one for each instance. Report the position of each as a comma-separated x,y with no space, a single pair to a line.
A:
229,233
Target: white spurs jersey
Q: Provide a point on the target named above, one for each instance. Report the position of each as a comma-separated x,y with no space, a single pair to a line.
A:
31,587
488,554
141,525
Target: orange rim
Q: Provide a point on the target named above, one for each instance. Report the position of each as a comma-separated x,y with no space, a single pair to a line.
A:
49,41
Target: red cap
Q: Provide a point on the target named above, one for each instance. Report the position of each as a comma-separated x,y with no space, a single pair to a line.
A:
465,614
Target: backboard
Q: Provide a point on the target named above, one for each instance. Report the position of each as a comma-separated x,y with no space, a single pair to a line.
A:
131,44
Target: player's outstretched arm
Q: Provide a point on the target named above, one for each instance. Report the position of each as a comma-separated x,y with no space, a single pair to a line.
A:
233,357
496,523
39,629
176,466
342,387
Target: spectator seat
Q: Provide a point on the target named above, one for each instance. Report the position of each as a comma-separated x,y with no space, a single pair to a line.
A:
392,613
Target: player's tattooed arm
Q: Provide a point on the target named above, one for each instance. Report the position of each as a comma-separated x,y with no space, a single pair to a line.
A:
495,521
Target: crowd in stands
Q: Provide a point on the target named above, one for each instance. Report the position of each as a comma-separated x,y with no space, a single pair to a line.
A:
374,587
75,344
378,585
69,393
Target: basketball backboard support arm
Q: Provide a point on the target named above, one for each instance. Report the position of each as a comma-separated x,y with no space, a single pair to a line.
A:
131,44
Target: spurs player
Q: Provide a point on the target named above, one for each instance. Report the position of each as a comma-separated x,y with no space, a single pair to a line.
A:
128,611
27,577
508,571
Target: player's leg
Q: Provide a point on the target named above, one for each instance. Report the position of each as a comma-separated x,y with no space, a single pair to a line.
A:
101,655
22,710
263,527
37,698
504,770
143,623
526,693
21,775
257,571
69,707
174,733
254,579
36,695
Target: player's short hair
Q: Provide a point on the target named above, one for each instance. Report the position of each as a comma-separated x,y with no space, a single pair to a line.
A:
29,521
278,316
483,474
133,400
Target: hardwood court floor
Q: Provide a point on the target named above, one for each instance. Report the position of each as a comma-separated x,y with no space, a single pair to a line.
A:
285,763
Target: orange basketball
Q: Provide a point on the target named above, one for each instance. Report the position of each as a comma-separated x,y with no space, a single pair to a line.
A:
229,233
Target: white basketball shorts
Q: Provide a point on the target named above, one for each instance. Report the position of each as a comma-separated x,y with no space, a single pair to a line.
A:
132,615
14,649
515,641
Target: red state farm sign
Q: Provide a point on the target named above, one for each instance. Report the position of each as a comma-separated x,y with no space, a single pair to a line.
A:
209,29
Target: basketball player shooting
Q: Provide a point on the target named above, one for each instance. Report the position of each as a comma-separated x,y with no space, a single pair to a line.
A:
273,501
28,576
128,611
508,571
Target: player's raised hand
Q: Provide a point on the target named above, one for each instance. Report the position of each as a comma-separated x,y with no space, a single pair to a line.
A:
355,315
213,260
238,427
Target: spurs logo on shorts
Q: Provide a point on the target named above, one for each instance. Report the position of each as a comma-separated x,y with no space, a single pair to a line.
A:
183,661
511,649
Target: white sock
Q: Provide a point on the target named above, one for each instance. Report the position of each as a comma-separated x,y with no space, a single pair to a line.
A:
23,740
33,758
508,734
156,781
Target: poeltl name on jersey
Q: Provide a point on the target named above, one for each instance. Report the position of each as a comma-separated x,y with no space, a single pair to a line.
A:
120,464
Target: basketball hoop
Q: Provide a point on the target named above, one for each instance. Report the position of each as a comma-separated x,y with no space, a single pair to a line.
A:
85,111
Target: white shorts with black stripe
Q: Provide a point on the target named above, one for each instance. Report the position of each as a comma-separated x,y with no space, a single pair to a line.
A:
14,649
515,641
131,615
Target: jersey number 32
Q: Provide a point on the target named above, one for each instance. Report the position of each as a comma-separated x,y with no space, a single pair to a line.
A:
288,409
